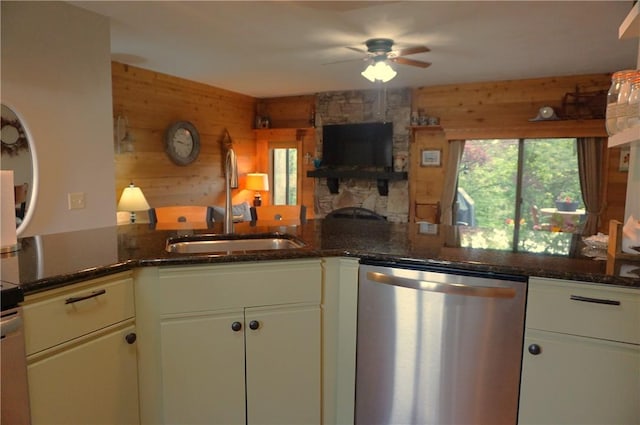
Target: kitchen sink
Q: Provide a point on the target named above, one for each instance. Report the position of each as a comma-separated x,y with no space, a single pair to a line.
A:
212,244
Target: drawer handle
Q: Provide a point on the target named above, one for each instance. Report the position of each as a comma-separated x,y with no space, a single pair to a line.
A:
85,297
594,300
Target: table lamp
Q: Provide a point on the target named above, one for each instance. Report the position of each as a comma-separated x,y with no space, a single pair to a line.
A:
257,182
132,200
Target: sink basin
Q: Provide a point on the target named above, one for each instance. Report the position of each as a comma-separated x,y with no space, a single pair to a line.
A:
211,244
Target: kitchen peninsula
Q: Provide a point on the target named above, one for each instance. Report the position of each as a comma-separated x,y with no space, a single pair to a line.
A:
92,253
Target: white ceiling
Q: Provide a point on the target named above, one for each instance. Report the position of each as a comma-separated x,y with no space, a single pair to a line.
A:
281,48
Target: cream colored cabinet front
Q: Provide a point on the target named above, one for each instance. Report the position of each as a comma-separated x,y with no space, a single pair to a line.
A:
581,357
81,353
204,360
231,343
94,382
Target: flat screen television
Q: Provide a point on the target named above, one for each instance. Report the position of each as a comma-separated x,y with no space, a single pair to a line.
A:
357,145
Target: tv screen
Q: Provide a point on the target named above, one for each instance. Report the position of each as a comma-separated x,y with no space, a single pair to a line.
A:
365,144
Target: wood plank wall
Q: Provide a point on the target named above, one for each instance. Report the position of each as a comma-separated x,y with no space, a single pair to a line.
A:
151,102
503,109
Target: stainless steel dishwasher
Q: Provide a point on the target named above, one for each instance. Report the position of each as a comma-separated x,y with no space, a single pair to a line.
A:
438,346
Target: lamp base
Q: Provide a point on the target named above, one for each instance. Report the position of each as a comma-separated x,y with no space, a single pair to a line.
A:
133,217
257,200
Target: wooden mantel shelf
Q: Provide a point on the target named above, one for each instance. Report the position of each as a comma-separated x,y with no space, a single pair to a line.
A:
333,177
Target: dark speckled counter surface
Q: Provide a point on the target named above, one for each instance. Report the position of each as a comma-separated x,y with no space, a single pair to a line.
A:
50,261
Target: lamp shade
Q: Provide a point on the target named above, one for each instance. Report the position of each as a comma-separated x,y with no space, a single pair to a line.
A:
379,71
132,199
258,181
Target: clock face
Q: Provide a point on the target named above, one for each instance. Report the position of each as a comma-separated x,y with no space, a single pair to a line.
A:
182,143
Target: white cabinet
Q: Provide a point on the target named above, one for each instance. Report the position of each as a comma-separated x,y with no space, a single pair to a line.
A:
231,343
81,353
581,361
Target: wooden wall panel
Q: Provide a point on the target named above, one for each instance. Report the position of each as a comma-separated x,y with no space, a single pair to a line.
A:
288,112
151,102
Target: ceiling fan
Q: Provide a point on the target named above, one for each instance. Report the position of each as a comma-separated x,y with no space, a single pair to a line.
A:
379,53
379,49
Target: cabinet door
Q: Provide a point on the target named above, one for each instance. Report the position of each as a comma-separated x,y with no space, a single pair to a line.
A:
577,380
203,369
283,365
94,382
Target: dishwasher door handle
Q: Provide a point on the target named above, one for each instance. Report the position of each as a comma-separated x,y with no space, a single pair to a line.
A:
445,288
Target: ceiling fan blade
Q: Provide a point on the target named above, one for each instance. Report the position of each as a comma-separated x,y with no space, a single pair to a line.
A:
411,62
355,49
345,60
413,50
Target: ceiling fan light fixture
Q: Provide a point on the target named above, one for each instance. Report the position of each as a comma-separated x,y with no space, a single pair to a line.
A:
380,70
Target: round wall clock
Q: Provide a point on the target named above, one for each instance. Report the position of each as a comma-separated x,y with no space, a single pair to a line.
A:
182,143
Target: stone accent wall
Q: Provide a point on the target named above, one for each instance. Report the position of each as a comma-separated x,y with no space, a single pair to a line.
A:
348,107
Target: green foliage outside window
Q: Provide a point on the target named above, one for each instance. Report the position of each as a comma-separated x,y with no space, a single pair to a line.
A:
489,174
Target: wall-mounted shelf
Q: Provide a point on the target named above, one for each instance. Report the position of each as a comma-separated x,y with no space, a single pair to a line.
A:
630,27
333,177
625,138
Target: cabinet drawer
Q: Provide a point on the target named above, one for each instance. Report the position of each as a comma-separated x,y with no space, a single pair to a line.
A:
59,316
597,311
219,286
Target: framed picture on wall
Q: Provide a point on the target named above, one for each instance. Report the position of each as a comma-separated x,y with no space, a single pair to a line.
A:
625,155
431,158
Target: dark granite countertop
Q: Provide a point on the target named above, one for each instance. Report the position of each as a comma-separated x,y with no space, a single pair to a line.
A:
50,261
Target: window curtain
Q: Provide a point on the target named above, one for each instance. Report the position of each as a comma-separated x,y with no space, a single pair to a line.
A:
591,154
456,148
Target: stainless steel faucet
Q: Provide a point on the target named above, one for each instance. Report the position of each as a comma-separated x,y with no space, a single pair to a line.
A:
231,182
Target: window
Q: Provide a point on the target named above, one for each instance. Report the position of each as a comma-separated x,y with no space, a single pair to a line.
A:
284,168
512,185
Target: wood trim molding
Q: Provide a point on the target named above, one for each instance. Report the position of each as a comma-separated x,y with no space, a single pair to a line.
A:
539,129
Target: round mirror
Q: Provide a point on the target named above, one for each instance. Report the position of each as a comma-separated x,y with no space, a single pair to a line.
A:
18,155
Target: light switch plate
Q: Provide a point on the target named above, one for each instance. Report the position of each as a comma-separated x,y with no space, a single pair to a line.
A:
76,200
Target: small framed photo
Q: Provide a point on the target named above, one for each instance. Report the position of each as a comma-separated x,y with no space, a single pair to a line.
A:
431,158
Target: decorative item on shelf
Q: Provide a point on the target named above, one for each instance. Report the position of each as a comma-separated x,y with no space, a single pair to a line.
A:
415,118
132,200
317,162
182,143
263,122
584,105
258,182
546,113
124,140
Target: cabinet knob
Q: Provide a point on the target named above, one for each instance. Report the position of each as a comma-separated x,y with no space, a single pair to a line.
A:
535,349
236,326
130,338
254,324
